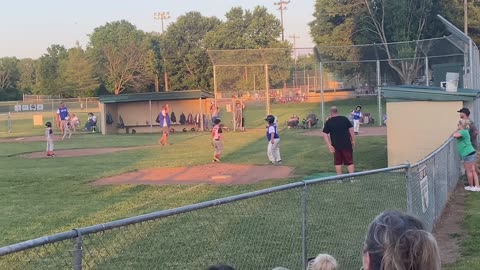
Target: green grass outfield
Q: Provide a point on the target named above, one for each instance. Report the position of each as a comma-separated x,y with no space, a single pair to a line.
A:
45,196
469,252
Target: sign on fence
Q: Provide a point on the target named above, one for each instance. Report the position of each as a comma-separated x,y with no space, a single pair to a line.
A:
29,107
424,187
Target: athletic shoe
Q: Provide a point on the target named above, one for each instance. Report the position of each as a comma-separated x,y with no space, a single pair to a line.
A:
279,162
216,160
475,189
469,188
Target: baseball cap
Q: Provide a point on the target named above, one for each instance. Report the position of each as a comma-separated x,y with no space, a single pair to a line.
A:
464,110
334,109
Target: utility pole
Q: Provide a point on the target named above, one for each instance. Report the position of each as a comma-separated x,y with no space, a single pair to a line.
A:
294,37
465,15
161,16
282,6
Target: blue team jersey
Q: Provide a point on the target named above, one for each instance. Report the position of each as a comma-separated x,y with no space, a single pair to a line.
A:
63,112
356,115
270,130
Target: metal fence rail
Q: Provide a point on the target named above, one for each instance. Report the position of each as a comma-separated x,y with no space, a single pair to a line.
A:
278,226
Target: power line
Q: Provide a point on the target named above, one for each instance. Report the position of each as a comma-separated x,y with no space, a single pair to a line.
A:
282,6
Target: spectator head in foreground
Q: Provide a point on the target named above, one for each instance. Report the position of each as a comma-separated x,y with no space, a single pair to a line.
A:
397,241
323,262
464,113
220,267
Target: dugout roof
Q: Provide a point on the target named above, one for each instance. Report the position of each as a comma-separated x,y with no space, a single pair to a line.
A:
173,95
418,93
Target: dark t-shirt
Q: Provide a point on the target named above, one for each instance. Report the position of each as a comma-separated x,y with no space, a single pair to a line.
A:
338,128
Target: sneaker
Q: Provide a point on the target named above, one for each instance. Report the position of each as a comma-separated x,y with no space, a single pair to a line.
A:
475,189
216,160
469,188
279,162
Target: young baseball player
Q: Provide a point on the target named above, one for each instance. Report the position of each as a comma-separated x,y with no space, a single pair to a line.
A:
357,115
217,140
273,149
67,129
49,137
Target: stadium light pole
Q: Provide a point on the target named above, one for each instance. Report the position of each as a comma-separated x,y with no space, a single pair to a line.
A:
162,16
282,6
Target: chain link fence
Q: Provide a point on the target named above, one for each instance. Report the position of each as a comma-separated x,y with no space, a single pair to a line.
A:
17,117
279,226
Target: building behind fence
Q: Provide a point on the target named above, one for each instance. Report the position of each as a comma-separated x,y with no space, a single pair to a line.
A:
279,226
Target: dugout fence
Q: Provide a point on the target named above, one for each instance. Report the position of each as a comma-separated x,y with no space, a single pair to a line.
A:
278,226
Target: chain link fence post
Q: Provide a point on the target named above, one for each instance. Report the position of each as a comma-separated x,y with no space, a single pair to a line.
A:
408,186
77,252
304,226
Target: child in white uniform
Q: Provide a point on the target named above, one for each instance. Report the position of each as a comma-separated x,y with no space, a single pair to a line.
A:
49,138
273,149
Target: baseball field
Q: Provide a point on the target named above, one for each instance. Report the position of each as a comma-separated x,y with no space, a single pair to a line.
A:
41,196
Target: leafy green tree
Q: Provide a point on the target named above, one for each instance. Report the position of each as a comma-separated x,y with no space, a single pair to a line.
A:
453,11
183,44
28,69
246,29
9,73
49,79
121,54
78,74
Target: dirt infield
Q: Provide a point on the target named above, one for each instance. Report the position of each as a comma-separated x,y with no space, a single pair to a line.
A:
27,139
215,173
79,152
364,132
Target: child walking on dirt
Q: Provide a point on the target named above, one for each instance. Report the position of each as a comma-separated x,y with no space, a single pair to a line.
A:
49,138
67,129
273,149
217,140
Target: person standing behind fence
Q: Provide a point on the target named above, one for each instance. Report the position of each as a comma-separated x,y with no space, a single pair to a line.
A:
399,241
472,131
164,121
62,114
468,154
356,115
339,137
49,138
217,140
273,148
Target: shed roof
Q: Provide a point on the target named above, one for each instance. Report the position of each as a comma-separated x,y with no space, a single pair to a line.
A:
423,93
174,95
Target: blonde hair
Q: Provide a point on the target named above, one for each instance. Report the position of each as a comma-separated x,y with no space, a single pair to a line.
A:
323,262
464,123
397,241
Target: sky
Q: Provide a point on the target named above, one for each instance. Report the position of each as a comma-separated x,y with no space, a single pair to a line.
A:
28,27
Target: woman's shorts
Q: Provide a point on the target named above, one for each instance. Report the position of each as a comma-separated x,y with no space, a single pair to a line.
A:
470,158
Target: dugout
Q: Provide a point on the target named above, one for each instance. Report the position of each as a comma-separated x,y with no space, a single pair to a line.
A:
420,119
139,111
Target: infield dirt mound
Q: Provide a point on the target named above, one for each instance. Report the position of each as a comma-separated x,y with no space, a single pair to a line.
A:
215,173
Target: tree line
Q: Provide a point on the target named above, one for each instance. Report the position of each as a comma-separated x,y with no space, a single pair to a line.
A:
120,58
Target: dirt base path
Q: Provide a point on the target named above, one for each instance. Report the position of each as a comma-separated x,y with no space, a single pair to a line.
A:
449,231
79,152
28,139
215,173
364,132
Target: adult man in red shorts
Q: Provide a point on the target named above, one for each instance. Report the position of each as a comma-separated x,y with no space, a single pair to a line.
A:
340,139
